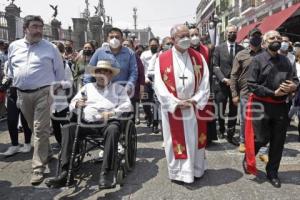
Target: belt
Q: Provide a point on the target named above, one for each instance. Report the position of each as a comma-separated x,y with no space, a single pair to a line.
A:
33,90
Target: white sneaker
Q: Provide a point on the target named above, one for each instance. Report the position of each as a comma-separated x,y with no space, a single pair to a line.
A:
11,151
163,145
25,148
101,153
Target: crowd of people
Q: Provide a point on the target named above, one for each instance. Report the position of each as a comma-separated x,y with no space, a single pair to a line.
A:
184,88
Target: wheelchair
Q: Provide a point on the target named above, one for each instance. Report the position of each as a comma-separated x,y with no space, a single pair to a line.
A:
126,155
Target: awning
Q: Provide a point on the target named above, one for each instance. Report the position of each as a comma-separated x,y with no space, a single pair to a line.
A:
274,21
243,32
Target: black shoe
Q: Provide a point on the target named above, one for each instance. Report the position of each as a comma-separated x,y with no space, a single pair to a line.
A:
177,182
59,181
107,180
149,123
275,181
233,141
155,129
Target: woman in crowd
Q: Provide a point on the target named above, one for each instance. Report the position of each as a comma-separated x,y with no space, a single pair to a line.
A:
81,77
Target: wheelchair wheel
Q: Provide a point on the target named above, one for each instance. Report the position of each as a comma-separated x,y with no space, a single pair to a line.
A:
130,146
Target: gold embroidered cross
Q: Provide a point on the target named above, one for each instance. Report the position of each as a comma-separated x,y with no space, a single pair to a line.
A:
202,138
180,149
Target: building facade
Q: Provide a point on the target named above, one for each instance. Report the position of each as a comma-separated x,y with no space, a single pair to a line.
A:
240,13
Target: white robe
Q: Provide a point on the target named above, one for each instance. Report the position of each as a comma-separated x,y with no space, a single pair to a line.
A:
194,166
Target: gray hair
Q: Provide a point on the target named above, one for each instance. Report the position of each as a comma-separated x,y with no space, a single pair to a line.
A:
267,34
231,26
175,28
30,18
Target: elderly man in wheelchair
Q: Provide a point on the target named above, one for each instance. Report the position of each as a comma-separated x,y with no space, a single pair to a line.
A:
100,103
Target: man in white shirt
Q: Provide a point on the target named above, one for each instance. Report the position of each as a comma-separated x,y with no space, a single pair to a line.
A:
102,103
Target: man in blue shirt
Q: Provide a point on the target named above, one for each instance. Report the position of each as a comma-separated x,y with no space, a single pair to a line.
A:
33,65
120,57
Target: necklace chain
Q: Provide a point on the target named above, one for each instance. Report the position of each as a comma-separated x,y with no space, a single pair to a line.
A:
185,63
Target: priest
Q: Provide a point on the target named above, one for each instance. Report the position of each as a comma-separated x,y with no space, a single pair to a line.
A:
182,87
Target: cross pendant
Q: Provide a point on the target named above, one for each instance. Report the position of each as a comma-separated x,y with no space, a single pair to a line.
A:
183,78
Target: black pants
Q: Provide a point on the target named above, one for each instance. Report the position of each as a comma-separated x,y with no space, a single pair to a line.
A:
271,129
13,117
57,123
135,104
148,104
111,134
222,98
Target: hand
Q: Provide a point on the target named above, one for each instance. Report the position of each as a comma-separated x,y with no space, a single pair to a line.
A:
107,115
80,103
192,102
279,92
235,100
290,86
129,91
226,81
147,81
184,104
57,87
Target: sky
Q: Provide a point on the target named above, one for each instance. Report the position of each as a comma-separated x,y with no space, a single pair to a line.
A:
160,15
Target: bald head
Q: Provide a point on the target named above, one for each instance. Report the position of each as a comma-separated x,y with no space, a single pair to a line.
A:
181,37
178,28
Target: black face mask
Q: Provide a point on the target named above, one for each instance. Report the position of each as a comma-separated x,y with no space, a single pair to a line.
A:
231,37
255,41
153,50
69,49
88,52
274,46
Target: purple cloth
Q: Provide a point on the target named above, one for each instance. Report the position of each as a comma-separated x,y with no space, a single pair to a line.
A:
141,77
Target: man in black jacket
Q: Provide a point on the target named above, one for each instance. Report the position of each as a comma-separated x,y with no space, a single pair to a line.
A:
271,80
222,64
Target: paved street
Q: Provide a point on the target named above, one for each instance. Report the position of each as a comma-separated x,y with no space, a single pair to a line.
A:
224,178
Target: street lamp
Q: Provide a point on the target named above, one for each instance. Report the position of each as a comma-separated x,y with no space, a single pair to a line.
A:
126,32
213,24
70,32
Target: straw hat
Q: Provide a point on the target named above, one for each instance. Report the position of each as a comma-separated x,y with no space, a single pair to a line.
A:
104,64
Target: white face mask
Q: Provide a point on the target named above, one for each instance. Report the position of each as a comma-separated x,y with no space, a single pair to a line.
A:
284,46
114,43
184,43
195,40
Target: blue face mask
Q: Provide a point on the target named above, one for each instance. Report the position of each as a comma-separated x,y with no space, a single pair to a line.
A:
167,47
284,46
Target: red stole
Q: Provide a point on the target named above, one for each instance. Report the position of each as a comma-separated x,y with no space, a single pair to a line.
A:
175,119
205,52
249,132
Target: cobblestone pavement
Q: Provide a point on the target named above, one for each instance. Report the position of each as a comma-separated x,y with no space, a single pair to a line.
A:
224,178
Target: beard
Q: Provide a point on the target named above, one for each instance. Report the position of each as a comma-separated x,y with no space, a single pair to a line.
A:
34,38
